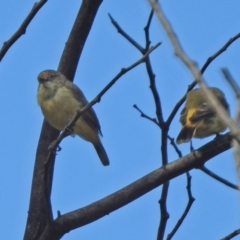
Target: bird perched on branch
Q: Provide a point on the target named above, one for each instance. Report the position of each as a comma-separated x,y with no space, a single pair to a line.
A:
60,99
198,118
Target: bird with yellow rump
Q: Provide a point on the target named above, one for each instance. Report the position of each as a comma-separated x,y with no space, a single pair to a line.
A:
198,118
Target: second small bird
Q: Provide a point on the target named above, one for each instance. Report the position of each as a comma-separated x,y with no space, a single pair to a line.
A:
198,118
60,99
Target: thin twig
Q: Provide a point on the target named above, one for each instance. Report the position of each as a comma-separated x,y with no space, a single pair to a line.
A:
154,120
164,135
148,64
151,75
164,212
191,199
146,29
218,178
22,29
120,30
172,142
220,51
98,98
232,235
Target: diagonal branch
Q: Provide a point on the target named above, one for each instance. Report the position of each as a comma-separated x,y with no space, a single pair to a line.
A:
232,235
98,98
124,34
22,29
204,67
103,207
218,178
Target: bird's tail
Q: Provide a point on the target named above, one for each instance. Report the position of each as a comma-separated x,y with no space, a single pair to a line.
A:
101,153
185,134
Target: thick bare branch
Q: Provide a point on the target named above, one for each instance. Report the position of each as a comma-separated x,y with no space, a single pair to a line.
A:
40,212
103,207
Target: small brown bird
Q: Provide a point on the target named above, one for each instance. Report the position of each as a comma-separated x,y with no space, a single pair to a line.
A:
60,99
198,119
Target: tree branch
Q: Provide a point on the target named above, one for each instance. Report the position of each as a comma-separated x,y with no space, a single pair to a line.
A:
124,196
191,199
40,212
99,209
22,29
98,98
218,178
232,235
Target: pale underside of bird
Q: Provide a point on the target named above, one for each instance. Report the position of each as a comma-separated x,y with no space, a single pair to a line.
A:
60,99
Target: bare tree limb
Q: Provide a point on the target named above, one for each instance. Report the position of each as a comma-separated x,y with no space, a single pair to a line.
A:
163,209
105,206
40,211
146,29
232,235
125,35
218,178
191,199
220,51
22,29
154,120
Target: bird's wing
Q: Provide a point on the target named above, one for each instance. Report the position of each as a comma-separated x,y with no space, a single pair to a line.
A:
89,116
183,116
205,111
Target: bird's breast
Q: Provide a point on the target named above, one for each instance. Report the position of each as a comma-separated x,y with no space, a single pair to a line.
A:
60,108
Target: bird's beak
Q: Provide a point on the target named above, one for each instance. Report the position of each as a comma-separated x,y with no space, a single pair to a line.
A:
43,77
